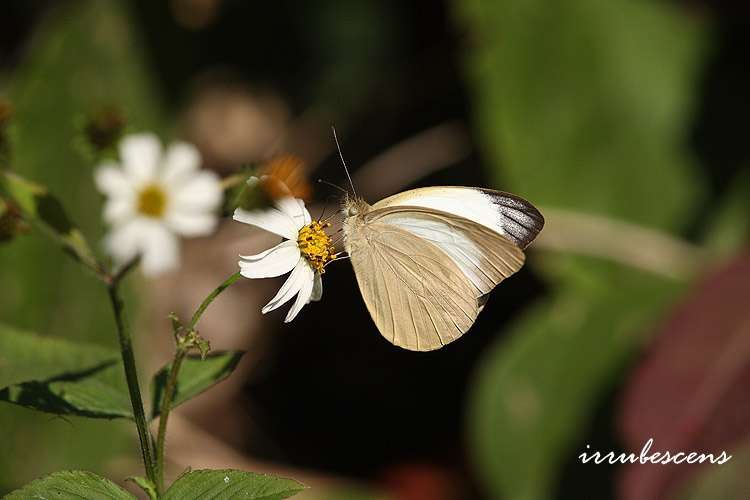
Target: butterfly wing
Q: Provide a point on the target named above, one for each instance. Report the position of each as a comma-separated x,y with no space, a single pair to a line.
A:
434,254
504,213
482,230
417,296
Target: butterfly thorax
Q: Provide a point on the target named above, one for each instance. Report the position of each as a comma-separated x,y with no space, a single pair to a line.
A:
354,210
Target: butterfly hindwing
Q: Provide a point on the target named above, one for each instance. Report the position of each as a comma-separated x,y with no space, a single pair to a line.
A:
417,296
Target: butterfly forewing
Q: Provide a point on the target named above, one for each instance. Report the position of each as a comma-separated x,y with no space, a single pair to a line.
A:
417,296
507,214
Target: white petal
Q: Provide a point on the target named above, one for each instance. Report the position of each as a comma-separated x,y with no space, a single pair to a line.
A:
160,250
140,155
274,262
259,256
180,161
200,192
123,242
289,289
293,208
306,215
111,180
303,297
191,225
118,210
271,220
317,290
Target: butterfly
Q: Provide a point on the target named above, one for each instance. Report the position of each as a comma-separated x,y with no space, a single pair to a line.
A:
426,259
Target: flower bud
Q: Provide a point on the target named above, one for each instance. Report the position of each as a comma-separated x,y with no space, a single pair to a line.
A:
11,222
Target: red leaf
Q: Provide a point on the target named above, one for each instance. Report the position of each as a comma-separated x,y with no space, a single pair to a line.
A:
690,393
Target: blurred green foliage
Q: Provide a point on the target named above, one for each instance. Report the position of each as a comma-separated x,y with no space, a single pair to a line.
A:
581,105
84,56
585,104
730,225
728,481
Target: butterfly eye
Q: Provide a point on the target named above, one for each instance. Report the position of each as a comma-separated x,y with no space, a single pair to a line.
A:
352,211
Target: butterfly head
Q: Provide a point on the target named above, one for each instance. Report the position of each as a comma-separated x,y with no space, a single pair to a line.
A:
354,207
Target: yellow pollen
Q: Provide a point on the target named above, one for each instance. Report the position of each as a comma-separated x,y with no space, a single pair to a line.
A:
152,201
316,245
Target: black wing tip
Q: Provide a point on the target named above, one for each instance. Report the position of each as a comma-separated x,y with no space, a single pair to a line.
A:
513,201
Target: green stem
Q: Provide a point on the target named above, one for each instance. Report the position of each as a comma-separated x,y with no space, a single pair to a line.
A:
131,376
207,301
166,407
174,371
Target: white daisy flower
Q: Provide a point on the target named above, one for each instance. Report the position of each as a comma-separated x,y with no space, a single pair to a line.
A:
152,197
305,252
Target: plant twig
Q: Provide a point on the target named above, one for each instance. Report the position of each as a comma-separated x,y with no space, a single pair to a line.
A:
207,301
187,339
166,407
131,376
620,241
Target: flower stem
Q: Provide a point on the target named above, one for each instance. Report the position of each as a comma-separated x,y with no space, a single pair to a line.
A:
182,350
131,376
207,301
166,407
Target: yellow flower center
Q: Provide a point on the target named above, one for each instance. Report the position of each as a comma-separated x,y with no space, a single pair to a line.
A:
152,201
316,245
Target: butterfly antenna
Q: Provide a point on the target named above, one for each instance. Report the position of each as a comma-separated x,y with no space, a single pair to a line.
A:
346,169
332,185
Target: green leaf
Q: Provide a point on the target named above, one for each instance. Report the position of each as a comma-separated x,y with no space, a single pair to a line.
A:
71,484
61,377
195,376
729,224
78,57
25,357
40,206
585,104
581,105
96,393
228,484
728,481
533,394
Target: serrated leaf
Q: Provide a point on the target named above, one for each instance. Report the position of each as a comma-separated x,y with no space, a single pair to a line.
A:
61,377
71,484
229,484
77,57
26,357
195,376
101,394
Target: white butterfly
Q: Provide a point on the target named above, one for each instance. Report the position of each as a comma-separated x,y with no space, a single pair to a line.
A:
426,259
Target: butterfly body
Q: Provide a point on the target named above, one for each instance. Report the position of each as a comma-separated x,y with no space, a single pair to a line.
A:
425,259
